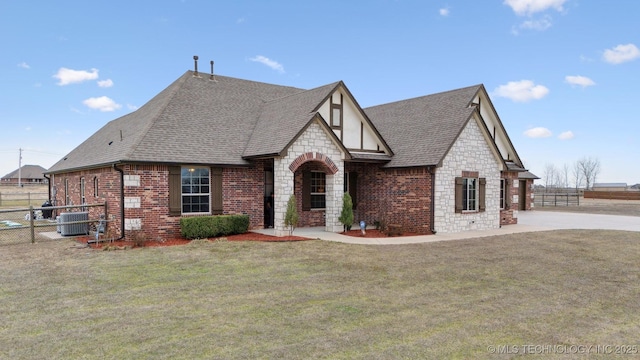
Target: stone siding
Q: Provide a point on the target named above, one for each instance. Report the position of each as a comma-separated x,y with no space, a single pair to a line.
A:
470,152
313,140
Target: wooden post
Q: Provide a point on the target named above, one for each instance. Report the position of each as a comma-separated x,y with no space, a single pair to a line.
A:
31,225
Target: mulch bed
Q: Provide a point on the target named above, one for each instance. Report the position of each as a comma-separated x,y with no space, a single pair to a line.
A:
249,236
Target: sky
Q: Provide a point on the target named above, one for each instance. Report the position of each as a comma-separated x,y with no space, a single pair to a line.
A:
561,74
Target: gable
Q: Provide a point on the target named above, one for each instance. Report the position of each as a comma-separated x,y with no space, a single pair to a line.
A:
350,124
496,130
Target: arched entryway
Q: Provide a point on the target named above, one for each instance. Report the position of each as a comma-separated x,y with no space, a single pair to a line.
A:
318,188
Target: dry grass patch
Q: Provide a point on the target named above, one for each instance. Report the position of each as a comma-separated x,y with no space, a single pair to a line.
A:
318,299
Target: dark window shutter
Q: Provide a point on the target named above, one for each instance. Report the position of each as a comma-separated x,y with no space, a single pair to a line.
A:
507,195
175,191
353,188
481,192
306,190
216,191
458,192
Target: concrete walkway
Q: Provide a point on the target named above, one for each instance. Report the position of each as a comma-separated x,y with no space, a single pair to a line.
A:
527,222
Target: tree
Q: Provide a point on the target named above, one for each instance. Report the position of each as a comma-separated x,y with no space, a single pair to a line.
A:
291,216
550,176
577,175
589,168
346,216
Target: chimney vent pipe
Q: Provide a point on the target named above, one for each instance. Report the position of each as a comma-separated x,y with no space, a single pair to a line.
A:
195,61
211,77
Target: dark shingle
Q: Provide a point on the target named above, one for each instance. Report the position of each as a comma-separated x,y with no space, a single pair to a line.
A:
420,131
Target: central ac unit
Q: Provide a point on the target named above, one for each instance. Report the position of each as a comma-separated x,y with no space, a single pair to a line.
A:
70,225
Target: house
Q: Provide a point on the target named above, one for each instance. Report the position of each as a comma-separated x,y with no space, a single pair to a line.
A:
27,174
211,144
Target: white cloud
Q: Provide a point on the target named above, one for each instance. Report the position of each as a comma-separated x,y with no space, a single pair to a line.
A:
102,103
621,53
241,20
579,80
539,25
70,76
521,91
24,65
538,132
132,107
270,63
530,7
567,135
105,83
444,12
28,128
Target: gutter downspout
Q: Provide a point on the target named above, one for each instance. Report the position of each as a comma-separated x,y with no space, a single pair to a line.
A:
121,201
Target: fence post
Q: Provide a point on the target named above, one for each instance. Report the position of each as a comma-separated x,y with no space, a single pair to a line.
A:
31,225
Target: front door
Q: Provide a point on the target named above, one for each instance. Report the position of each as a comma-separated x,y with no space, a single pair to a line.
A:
522,195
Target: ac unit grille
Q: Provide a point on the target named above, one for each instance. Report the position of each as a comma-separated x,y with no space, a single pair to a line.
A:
74,229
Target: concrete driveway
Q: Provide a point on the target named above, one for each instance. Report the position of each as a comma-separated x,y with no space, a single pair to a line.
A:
552,220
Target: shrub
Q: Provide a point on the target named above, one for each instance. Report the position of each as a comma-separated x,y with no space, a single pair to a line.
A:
346,216
203,227
291,216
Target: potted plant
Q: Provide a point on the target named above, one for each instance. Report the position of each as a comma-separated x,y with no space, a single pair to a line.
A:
346,216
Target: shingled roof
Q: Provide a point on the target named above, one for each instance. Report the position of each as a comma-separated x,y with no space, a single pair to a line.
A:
195,120
225,121
421,130
27,172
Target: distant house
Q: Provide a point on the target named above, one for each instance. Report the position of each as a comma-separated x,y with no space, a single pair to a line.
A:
635,187
220,145
610,187
27,174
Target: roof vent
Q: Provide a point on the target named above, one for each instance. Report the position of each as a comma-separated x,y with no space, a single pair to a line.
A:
211,76
195,61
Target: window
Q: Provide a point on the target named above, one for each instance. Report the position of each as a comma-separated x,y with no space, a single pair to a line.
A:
336,114
67,197
469,194
83,200
196,195
318,190
195,190
95,186
504,194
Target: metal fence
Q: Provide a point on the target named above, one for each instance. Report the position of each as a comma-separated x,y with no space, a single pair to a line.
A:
14,199
29,224
542,199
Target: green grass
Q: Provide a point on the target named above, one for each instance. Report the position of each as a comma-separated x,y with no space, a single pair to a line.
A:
318,299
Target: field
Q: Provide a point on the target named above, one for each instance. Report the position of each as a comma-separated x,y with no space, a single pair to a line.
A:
600,206
14,196
316,299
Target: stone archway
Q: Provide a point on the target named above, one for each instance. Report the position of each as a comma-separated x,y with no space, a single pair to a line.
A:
314,144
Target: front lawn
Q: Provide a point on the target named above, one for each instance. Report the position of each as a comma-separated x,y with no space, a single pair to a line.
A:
318,299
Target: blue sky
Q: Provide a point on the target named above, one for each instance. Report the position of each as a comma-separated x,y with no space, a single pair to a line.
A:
562,74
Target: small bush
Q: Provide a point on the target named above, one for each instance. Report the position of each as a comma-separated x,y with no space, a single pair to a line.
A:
203,227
